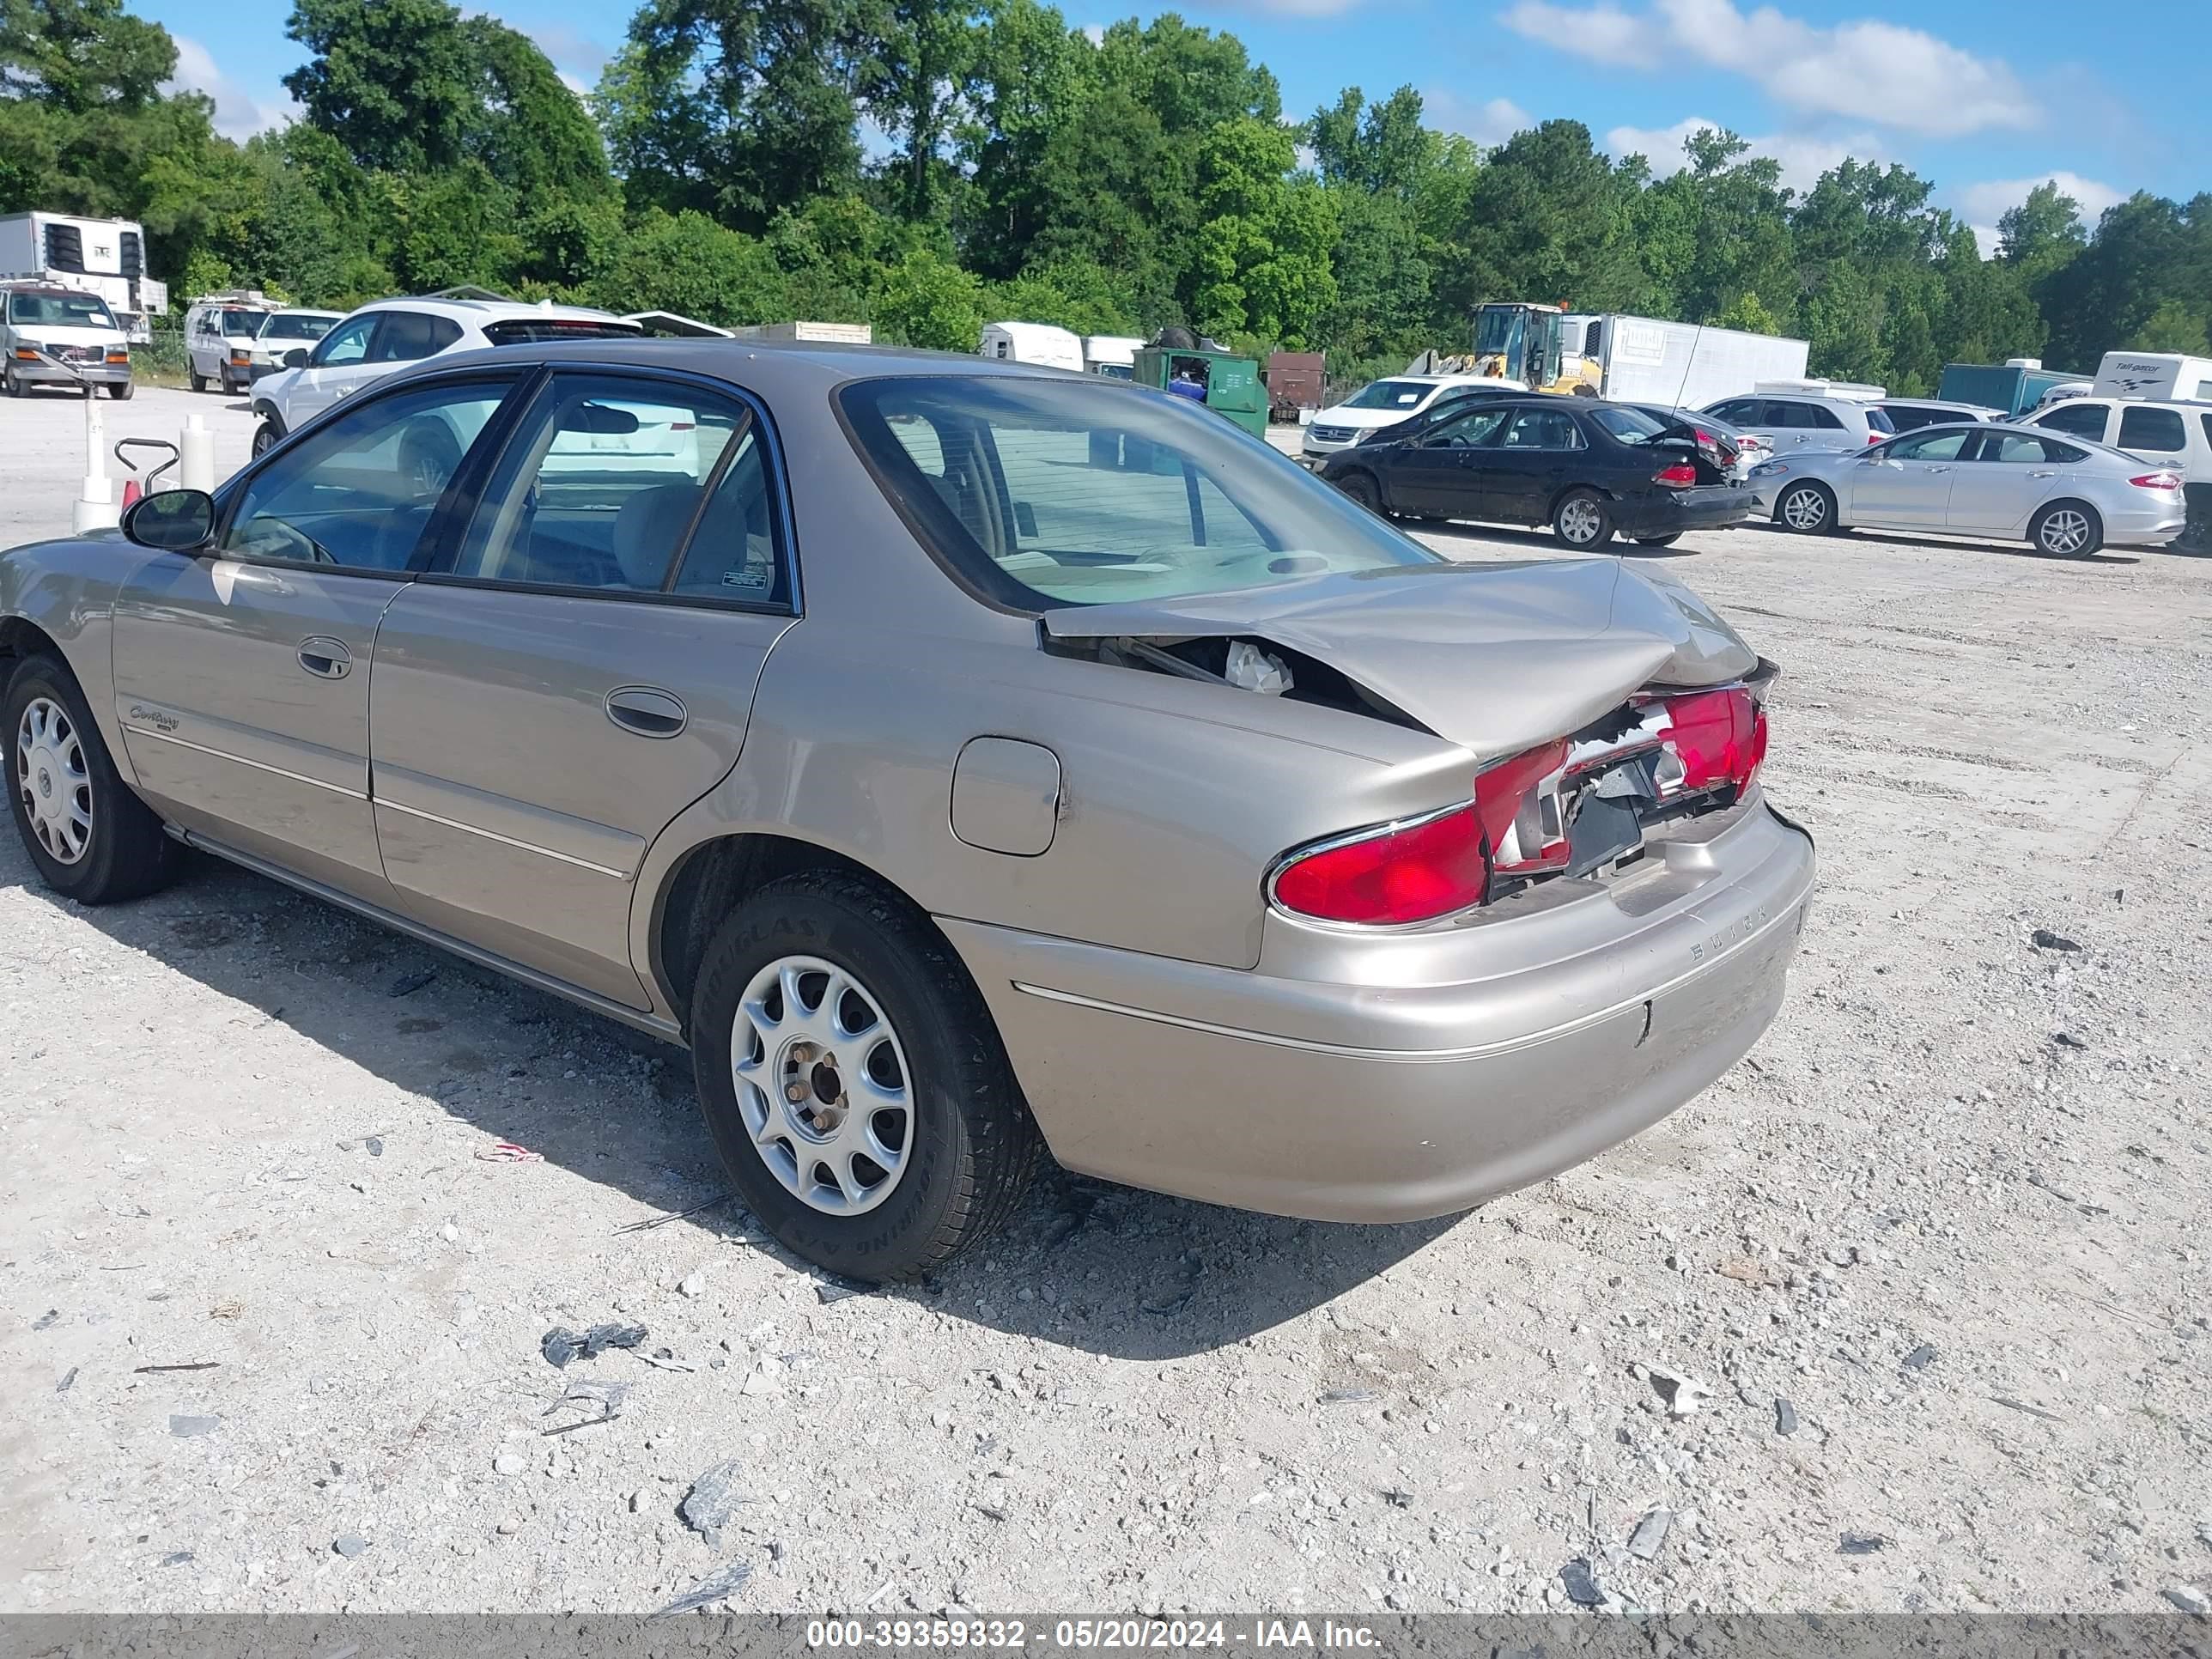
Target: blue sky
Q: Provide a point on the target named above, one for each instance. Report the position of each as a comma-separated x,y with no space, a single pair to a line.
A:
1984,97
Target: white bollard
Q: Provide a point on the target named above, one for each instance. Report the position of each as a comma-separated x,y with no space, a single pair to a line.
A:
95,507
195,455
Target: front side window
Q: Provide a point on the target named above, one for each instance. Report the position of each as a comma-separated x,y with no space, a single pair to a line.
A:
1391,394
2160,430
604,482
347,343
2082,420
359,492
1469,431
1039,492
1935,446
1543,429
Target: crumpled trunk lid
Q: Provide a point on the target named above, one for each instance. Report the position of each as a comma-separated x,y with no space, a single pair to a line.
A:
1492,657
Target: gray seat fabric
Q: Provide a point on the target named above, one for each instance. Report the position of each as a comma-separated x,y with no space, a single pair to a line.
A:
646,529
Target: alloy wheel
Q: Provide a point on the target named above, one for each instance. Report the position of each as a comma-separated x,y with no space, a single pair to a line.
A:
1805,509
2066,531
52,779
823,1084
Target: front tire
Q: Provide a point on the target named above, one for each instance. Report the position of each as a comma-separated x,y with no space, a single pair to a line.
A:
1582,521
198,381
121,391
853,1082
1808,508
264,438
91,838
1361,488
1659,541
12,385
2067,530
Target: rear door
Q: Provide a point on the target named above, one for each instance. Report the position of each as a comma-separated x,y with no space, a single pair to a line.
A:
1907,481
2153,434
1537,456
580,667
242,674
2009,474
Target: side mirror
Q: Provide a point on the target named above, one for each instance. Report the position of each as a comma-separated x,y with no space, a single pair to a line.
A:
296,357
173,520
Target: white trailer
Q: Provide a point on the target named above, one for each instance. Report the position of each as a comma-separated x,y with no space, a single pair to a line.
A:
107,257
1032,343
1113,355
1645,360
2163,376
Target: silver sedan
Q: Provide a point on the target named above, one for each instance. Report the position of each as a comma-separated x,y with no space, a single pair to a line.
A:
966,762
2067,497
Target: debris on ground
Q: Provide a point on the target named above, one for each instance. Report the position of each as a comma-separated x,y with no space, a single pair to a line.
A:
692,1285
1745,1271
1650,1533
46,1319
195,1366
1785,1417
827,1291
506,1152
715,1497
560,1345
1398,1497
663,1359
652,1221
68,1382
1860,1543
2043,940
708,1590
1349,1397
608,1397
178,1557
1581,1584
2068,1040
1921,1357
350,1545
408,984
1680,1392
185,1427
2189,1599
2022,1406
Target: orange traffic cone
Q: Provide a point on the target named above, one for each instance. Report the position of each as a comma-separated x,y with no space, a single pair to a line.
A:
130,491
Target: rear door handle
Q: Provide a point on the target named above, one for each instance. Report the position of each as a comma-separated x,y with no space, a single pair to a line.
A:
648,711
325,659
2043,475
1933,470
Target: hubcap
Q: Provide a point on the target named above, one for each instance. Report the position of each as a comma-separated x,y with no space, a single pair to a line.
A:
2066,531
1806,509
1578,521
52,780
823,1085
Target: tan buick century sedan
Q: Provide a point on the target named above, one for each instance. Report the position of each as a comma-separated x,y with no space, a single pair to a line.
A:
967,761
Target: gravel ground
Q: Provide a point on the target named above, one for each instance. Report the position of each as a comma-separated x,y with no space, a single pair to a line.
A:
1907,1311
42,449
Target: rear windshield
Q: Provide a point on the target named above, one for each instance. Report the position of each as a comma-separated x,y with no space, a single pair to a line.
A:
1878,421
1390,394
536,331
297,328
60,310
1631,425
1047,492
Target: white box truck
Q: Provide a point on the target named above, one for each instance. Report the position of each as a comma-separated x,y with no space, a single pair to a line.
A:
107,257
1032,343
1643,360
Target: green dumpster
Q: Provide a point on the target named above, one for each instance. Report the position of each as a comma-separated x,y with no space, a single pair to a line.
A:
1232,385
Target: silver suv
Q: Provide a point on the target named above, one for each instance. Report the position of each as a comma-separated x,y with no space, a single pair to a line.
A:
1804,420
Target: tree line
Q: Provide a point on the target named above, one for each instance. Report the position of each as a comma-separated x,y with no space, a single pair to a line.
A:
1112,181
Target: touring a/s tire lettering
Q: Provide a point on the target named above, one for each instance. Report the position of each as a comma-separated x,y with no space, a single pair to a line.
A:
970,1147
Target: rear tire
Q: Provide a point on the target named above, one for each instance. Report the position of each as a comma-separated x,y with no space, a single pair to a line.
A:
970,1147
1583,520
1808,508
264,438
1659,541
198,381
1361,488
2067,530
55,754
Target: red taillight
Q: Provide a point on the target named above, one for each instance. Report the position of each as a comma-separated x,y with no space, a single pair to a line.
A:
1876,437
2157,480
1675,476
1720,737
1523,838
1425,870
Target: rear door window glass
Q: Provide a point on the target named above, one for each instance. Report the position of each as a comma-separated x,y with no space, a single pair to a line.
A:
2081,419
1821,416
408,337
2158,429
1543,429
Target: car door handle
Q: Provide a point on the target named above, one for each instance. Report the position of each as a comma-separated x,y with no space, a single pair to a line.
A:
325,659
2047,474
1933,470
648,711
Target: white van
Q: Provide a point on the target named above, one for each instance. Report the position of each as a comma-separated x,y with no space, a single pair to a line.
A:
2172,436
1032,343
219,335
1113,355
51,334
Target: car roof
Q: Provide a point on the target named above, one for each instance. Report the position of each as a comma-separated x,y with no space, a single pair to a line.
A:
773,368
483,310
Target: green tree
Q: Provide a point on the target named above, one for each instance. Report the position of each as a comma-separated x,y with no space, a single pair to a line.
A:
926,301
1747,313
1547,219
530,133
2042,233
688,264
395,82
2173,326
1259,263
922,51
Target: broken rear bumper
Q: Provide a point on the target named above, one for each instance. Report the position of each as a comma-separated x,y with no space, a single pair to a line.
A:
1365,1076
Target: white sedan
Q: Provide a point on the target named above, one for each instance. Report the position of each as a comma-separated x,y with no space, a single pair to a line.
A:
2066,497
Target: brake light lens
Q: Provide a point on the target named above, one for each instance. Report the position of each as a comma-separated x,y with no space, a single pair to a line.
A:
1720,737
1393,876
1520,820
2157,480
1675,476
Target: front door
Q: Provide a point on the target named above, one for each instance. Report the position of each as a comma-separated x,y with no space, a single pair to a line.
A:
337,367
1437,474
578,668
242,674
1907,481
1525,471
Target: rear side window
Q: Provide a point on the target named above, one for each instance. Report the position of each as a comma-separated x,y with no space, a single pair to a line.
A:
2082,420
2207,419
2159,429
1876,420
407,336
1736,409
2025,448
1826,417
1543,429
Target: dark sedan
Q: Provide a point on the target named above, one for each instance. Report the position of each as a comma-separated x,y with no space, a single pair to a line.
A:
1590,470
1449,407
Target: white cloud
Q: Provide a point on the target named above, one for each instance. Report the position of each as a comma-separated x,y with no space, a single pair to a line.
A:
1986,238
1863,70
238,113
1804,159
1490,122
1992,199
1095,34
